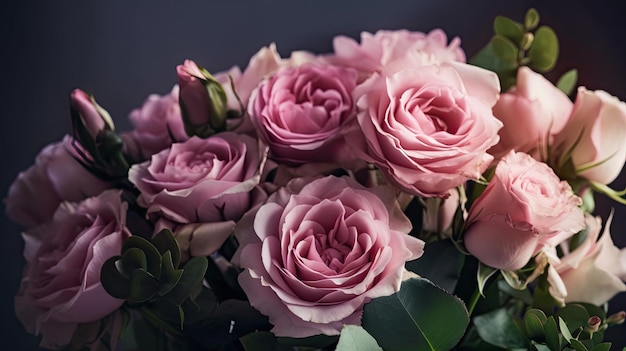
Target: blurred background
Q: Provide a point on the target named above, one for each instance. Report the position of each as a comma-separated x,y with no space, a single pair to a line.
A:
124,51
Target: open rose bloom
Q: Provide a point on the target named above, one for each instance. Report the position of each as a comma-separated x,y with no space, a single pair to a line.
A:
388,194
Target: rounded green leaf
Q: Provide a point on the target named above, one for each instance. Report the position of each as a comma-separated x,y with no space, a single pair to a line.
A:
574,315
133,259
143,286
509,29
112,280
531,20
355,338
169,275
567,83
499,329
153,258
192,276
448,260
553,339
420,316
505,49
544,51
164,241
533,324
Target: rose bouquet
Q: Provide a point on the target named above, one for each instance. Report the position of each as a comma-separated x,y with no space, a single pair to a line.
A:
387,195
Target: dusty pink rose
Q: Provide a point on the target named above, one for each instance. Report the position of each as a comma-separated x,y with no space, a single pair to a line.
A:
532,112
376,50
318,250
596,133
302,113
524,208
428,128
157,122
593,272
56,176
201,181
61,285
92,117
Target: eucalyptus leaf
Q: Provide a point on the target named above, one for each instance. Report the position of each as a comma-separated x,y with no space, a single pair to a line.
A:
164,241
133,259
420,316
605,346
169,275
113,281
505,49
574,315
355,338
143,286
498,328
509,29
567,82
193,273
553,339
153,258
544,51
565,330
577,345
533,323
531,20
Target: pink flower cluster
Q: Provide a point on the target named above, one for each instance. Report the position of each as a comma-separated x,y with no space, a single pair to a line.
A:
399,113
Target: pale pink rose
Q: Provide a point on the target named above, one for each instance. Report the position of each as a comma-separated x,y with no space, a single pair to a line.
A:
157,124
61,285
302,113
318,250
376,50
524,208
200,181
56,176
532,112
593,272
427,128
596,132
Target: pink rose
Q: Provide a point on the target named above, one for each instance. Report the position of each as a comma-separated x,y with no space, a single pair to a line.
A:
593,272
61,285
318,250
595,136
201,181
531,112
92,117
56,176
427,128
156,123
302,113
376,50
524,208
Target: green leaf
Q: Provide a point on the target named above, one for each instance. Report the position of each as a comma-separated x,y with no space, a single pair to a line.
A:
262,341
164,241
577,345
133,259
533,322
421,316
193,273
448,261
567,82
522,295
553,340
506,70
531,20
565,330
169,275
153,258
509,29
143,286
482,276
605,346
498,328
505,49
112,280
355,338
574,315
545,50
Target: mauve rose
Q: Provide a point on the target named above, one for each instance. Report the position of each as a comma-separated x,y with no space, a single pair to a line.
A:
524,208
157,122
201,180
376,50
427,128
302,113
61,285
532,112
593,272
596,132
56,176
318,250
92,117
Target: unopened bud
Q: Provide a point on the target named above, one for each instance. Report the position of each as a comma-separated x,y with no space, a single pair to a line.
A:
88,118
593,324
202,100
527,41
617,318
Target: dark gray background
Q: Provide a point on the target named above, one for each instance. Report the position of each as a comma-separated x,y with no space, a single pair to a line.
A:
122,51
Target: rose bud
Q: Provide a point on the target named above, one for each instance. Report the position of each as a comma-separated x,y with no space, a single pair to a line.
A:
202,100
